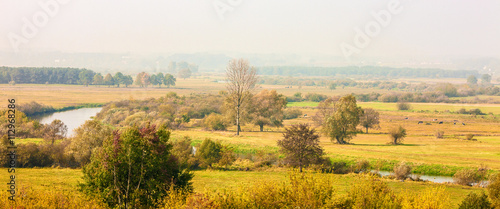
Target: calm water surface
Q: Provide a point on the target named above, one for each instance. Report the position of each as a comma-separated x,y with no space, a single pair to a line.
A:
71,118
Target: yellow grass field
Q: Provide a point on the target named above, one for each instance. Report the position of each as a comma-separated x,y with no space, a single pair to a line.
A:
213,181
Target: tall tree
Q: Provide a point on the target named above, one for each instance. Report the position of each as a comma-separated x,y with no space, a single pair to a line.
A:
153,79
369,119
268,108
159,79
169,80
300,145
341,125
86,77
241,79
134,169
109,80
98,79
119,79
397,134
128,80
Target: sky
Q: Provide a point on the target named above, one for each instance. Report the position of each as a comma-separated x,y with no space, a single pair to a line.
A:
460,28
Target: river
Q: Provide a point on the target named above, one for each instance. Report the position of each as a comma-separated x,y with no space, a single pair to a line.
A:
71,118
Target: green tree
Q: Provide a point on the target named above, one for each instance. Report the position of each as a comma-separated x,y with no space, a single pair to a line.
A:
98,79
300,145
369,119
209,152
134,169
109,80
472,80
159,79
341,125
119,78
169,80
241,79
269,110
86,77
153,80
127,81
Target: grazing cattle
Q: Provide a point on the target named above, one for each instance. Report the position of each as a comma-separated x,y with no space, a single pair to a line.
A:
454,123
420,122
440,122
463,124
406,118
305,115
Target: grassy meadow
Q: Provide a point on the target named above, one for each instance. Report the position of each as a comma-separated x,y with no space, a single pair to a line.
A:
428,154
66,180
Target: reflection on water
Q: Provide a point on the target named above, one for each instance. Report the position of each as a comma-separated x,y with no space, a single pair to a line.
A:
71,118
436,179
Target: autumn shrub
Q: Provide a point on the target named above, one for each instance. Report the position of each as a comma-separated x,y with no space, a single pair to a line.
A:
340,167
473,201
494,190
367,192
403,106
291,113
402,171
361,166
433,197
467,177
439,134
470,137
215,122
29,198
183,150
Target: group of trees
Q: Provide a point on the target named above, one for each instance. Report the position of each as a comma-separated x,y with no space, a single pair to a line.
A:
365,70
143,79
82,76
45,75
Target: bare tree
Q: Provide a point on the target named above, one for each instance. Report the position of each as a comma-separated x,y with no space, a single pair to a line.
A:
241,79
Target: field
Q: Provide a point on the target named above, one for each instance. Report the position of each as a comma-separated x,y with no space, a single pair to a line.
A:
421,148
204,181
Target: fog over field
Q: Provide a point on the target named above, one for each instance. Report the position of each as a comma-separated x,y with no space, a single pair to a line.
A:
103,35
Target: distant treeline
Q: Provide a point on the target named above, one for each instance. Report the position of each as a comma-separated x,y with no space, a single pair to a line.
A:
40,75
366,70
51,75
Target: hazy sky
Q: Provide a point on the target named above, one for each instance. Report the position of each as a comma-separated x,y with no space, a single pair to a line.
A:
420,28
